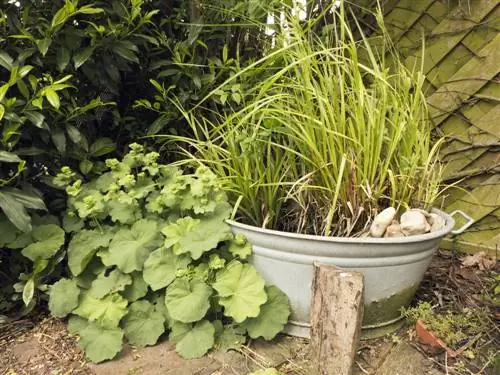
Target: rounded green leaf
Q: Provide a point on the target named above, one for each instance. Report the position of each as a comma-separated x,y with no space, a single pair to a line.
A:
160,267
106,284
231,337
272,318
87,277
48,239
100,343
193,341
137,289
188,300
143,324
240,247
83,246
72,223
63,297
241,291
130,248
107,311
76,324
195,236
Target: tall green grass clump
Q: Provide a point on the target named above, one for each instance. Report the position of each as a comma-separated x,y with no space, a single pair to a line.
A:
336,132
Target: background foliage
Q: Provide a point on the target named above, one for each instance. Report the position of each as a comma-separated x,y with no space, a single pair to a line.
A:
80,80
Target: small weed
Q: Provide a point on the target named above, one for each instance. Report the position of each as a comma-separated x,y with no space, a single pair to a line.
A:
396,339
453,328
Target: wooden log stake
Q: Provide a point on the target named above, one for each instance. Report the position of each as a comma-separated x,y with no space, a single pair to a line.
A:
336,316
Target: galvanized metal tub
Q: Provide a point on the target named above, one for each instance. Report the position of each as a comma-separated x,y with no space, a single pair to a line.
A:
392,267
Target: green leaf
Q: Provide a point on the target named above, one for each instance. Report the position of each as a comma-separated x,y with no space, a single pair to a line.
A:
106,284
175,231
83,246
87,9
52,97
102,146
6,61
21,241
161,266
137,289
123,212
86,166
159,302
63,297
188,300
232,337
62,14
158,125
37,220
23,89
74,133
3,91
43,45
130,248
240,247
195,236
59,139
63,58
27,198
241,291
82,56
23,72
272,318
37,102
2,113
28,291
77,324
9,157
58,84
126,50
193,341
48,239
100,343
107,311
8,230
36,118
87,277
143,324
236,97
72,223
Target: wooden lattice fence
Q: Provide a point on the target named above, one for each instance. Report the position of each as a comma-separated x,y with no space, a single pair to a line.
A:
462,64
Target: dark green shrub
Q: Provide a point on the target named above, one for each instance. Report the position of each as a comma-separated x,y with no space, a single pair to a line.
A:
72,76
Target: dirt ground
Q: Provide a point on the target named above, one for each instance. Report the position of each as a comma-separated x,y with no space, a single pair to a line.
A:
42,346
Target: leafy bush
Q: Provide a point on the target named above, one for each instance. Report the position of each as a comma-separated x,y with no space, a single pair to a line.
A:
150,252
40,112
28,259
72,76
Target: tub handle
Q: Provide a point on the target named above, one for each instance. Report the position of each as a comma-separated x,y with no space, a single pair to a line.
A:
469,222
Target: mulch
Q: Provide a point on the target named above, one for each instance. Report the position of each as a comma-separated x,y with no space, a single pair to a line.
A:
39,346
457,283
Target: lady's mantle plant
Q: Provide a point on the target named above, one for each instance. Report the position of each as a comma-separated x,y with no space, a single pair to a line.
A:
150,252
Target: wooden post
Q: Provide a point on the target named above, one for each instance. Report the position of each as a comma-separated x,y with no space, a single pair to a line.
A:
336,316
